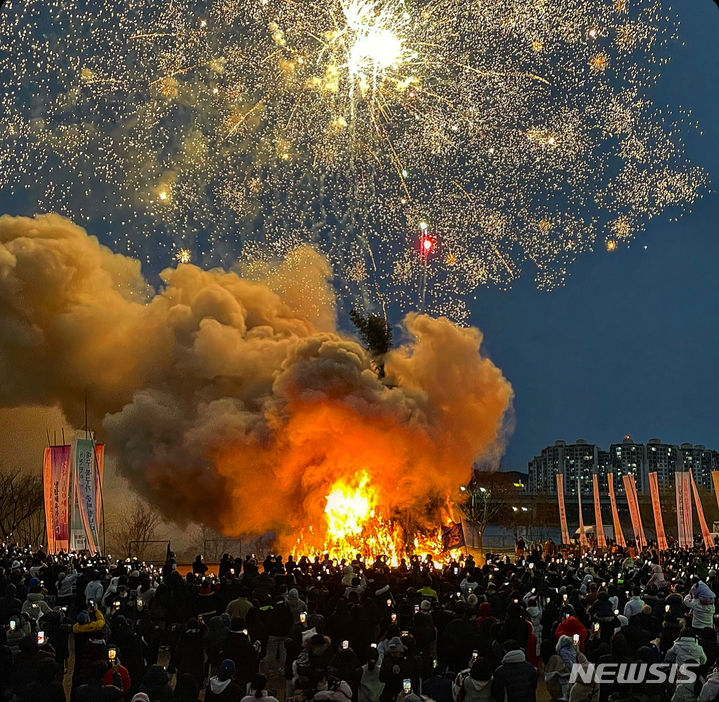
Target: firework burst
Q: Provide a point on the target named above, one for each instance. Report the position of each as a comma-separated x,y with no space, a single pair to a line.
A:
520,131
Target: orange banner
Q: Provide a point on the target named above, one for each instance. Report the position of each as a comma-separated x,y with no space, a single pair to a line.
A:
582,534
685,533
562,510
56,484
598,524
618,535
657,511
715,480
630,490
706,535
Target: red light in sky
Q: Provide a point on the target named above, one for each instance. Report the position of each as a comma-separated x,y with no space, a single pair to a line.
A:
427,244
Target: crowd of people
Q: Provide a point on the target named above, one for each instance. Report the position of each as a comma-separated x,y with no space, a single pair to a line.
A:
355,630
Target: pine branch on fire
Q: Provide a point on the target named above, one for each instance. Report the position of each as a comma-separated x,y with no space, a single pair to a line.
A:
376,334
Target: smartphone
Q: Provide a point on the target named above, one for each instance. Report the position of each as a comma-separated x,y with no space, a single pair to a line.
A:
139,604
112,654
564,596
373,645
389,602
575,638
345,645
475,655
435,663
232,571
394,617
531,565
13,625
667,608
40,638
596,626
616,612
407,686
303,617
245,632
416,608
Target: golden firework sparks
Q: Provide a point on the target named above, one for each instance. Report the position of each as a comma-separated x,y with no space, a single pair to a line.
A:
342,123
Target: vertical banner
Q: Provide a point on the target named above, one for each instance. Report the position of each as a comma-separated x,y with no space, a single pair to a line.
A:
583,545
657,511
86,490
56,483
598,523
562,510
715,481
618,535
684,510
630,490
706,535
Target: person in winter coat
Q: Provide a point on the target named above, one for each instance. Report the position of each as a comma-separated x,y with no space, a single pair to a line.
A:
117,675
685,649
25,664
634,603
396,668
10,604
35,605
700,601
345,665
516,679
584,692
311,665
186,689
189,653
46,685
295,604
559,667
570,626
65,587
657,580
90,645
688,691
94,590
370,686
476,684
239,649
130,648
156,684
222,686
94,690
239,607
19,628
710,688
332,690
259,683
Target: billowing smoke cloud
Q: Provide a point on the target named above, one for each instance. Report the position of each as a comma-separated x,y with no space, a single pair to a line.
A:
231,402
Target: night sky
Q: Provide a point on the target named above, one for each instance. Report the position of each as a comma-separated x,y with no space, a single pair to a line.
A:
630,344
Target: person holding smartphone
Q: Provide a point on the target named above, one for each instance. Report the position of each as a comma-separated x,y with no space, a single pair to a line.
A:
395,669
117,675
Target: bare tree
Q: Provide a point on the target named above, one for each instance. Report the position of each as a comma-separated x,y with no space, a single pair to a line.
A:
21,497
488,496
138,525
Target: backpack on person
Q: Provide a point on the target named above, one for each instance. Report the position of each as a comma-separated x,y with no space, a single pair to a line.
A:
458,691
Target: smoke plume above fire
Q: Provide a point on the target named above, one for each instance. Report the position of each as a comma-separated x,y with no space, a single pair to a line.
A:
236,403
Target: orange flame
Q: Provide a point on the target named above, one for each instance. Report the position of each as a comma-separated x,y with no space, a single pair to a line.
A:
355,524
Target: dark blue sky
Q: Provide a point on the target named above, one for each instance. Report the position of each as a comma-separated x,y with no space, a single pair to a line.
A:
631,344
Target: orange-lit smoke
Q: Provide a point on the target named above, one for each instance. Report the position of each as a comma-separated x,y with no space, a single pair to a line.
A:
236,403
